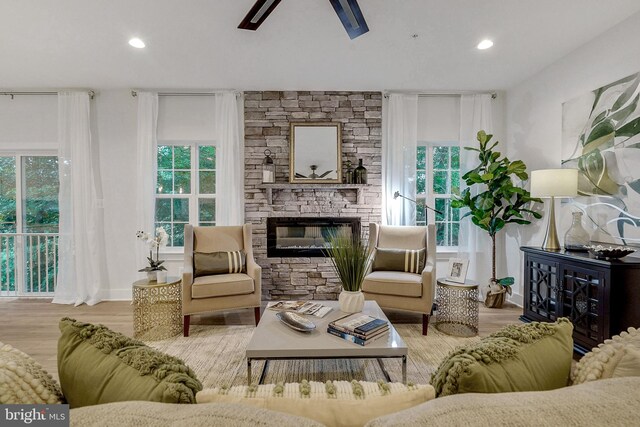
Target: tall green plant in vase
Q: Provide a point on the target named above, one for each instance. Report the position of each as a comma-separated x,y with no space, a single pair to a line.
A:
350,257
496,203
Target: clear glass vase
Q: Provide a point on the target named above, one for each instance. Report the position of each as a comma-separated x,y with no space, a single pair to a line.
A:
576,237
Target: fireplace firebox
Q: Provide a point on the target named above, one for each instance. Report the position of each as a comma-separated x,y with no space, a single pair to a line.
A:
305,237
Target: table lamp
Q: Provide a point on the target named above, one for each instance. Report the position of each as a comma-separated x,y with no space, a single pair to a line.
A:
553,183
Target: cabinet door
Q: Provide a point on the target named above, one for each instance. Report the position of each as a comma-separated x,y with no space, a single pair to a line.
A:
582,296
541,288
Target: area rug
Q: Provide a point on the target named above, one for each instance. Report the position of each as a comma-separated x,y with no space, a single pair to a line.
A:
217,355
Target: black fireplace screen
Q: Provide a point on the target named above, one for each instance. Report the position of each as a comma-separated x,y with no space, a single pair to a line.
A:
305,237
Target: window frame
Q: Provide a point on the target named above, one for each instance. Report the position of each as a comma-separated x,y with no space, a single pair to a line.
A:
194,196
430,196
18,155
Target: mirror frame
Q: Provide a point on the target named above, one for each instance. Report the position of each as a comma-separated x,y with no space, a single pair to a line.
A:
292,151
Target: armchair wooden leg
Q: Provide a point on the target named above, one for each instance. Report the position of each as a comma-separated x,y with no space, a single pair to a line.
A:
256,313
187,319
425,323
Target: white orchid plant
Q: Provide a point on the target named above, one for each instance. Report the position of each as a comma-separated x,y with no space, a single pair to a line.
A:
156,241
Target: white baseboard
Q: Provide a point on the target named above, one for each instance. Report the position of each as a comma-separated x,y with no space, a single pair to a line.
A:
123,294
516,299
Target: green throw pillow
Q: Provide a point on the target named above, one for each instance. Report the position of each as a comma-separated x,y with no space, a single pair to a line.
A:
530,357
97,365
206,264
410,261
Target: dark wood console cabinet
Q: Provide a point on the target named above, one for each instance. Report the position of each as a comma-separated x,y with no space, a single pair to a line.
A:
601,298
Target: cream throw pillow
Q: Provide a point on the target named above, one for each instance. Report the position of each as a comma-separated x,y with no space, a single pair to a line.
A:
23,380
616,357
334,403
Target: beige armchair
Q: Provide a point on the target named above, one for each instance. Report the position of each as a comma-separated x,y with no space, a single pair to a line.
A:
399,289
219,291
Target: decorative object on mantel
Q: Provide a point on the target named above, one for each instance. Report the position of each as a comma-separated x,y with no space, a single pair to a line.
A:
348,173
268,168
155,242
497,203
576,238
553,183
600,131
360,174
609,252
350,257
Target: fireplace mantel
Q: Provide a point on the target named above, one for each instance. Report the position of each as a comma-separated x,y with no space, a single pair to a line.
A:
322,187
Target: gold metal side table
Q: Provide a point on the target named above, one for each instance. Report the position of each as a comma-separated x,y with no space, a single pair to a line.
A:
157,309
457,308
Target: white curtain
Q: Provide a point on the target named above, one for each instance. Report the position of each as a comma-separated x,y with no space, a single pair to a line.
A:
147,147
474,243
399,144
229,120
81,256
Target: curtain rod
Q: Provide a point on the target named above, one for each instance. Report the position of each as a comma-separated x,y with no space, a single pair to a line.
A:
494,95
12,94
134,93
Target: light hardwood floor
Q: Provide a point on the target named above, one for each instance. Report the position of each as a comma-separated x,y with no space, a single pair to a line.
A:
31,325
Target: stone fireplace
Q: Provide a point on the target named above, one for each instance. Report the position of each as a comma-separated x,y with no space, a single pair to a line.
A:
267,124
307,236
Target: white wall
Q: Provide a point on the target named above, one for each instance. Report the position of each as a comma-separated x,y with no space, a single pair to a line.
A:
534,115
29,122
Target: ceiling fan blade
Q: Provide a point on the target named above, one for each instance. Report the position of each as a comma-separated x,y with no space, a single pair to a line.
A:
258,13
325,174
351,17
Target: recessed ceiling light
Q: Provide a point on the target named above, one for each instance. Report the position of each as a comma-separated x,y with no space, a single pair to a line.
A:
137,43
485,44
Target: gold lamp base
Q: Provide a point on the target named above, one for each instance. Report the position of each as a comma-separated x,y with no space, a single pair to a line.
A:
551,242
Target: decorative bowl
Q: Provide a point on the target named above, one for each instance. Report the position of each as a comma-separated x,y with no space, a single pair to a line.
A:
295,321
609,252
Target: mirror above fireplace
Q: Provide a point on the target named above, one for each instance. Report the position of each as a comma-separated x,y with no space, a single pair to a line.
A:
315,153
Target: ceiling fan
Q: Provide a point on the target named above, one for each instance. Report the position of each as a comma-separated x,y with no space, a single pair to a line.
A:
347,10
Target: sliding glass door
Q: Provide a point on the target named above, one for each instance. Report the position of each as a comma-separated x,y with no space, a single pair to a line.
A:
28,224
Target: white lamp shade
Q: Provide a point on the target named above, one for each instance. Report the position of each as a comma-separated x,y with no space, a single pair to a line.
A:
554,182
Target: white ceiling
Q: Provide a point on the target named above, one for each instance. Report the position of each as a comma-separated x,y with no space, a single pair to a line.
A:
302,45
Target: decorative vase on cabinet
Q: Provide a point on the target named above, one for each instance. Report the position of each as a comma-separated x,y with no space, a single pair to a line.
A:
576,238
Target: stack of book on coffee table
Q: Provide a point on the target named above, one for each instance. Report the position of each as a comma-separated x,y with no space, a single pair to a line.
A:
359,328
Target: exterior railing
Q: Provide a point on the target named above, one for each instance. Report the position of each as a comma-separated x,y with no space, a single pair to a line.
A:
28,264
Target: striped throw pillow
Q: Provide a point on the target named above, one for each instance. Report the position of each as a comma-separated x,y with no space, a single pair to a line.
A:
206,264
407,260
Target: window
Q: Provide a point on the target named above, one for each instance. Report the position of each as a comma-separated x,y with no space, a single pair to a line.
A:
29,217
438,176
186,187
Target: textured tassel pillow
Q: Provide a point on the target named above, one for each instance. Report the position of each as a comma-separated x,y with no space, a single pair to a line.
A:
528,357
334,403
97,365
23,380
616,357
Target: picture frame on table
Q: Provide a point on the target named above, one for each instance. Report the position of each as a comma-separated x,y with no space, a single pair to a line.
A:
457,270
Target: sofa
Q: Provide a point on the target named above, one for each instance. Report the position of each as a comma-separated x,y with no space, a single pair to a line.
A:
497,381
611,402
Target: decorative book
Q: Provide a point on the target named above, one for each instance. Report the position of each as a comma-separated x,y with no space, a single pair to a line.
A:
359,323
301,307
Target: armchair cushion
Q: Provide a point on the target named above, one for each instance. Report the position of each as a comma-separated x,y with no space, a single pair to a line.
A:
407,260
393,283
206,264
221,285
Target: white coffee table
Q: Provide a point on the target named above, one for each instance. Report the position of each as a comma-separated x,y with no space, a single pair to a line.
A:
272,340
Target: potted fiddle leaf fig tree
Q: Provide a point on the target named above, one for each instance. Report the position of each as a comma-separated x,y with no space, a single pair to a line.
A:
493,201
